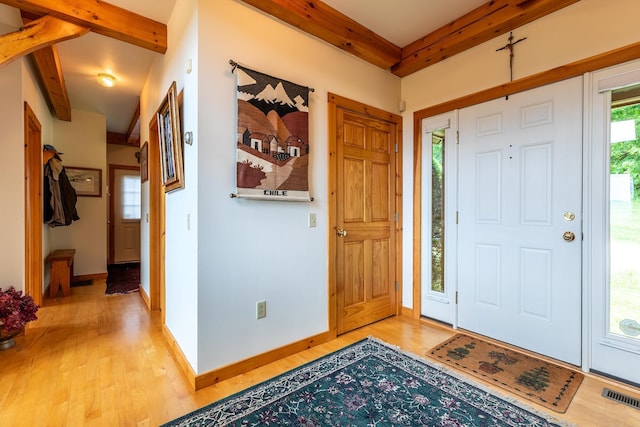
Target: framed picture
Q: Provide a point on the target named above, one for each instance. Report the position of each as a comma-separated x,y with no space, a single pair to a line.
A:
170,137
144,159
86,181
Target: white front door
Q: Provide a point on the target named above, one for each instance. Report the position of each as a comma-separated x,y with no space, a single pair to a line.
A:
520,194
612,224
126,202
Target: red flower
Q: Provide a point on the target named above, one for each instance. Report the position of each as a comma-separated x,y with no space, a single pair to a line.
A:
15,310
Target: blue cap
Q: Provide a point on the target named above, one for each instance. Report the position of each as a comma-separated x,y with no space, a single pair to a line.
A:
48,147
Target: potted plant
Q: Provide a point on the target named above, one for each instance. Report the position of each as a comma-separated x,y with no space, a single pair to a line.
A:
16,310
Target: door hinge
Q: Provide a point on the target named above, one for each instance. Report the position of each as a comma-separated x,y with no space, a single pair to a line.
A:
396,286
456,297
457,137
456,217
396,216
396,147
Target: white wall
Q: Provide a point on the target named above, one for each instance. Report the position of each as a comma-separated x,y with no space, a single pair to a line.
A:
12,174
251,250
122,155
83,142
17,85
581,30
181,267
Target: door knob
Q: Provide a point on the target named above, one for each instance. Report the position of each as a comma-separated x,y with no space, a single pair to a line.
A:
342,233
568,236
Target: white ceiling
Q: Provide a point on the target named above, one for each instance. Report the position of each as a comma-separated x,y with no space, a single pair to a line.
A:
399,21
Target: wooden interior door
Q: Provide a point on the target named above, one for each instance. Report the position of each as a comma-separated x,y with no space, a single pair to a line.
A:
124,230
33,205
365,215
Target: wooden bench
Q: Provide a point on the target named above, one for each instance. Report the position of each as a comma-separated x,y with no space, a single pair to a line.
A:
61,261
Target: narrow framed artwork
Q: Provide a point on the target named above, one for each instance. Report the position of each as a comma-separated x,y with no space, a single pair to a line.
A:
144,165
87,182
170,138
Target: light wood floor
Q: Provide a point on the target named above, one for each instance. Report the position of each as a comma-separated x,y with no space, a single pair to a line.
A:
93,360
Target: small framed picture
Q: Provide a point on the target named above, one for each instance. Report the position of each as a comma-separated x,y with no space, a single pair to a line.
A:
86,181
144,162
170,137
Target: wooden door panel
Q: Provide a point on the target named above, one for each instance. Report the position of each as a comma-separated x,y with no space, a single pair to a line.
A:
354,273
365,266
380,201
354,190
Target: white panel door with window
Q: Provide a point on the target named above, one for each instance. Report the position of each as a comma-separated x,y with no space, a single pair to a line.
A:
126,228
519,233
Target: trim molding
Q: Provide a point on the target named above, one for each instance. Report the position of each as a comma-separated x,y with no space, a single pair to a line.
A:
145,298
237,368
179,356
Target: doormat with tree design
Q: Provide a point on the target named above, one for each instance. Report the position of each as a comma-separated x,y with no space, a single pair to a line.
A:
547,384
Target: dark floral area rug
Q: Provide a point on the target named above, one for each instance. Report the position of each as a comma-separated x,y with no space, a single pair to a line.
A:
369,383
552,386
123,278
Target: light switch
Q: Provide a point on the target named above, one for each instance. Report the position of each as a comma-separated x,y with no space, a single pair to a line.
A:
312,220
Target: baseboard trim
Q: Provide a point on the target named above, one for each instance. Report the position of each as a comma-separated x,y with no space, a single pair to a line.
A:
406,311
145,298
229,371
83,277
179,356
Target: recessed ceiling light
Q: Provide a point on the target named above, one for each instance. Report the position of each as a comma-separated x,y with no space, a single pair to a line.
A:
106,79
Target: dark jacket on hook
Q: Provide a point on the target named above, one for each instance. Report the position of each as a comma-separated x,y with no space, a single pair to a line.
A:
59,196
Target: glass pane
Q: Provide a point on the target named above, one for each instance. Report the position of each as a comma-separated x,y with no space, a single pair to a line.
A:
437,211
130,197
624,216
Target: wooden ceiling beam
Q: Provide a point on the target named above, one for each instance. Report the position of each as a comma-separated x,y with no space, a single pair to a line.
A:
478,26
40,33
120,139
133,133
48,65
102,18
330,25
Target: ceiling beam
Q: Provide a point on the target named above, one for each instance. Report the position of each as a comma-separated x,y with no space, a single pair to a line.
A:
48,65
102,18
478,26
326,23
120,139
133,132
40,33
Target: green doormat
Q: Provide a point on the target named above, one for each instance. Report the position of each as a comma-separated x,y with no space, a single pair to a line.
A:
549,385
368,383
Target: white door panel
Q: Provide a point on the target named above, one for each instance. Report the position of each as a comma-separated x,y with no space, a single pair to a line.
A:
520,173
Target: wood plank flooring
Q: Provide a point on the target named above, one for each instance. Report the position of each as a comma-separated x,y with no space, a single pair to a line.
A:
95,360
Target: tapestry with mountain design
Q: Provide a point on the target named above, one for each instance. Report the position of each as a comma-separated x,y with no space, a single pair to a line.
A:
272,158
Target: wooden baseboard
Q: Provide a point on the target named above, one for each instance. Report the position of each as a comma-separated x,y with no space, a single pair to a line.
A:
145,298
406,311
83,277
229,371
179,356
226,372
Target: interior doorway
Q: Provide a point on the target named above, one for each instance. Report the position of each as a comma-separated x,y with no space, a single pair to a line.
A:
124,214
33,204
364,214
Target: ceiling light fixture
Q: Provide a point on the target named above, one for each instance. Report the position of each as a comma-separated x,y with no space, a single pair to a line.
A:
106,79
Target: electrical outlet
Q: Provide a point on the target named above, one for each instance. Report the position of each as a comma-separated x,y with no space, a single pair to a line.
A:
312,220
261,309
